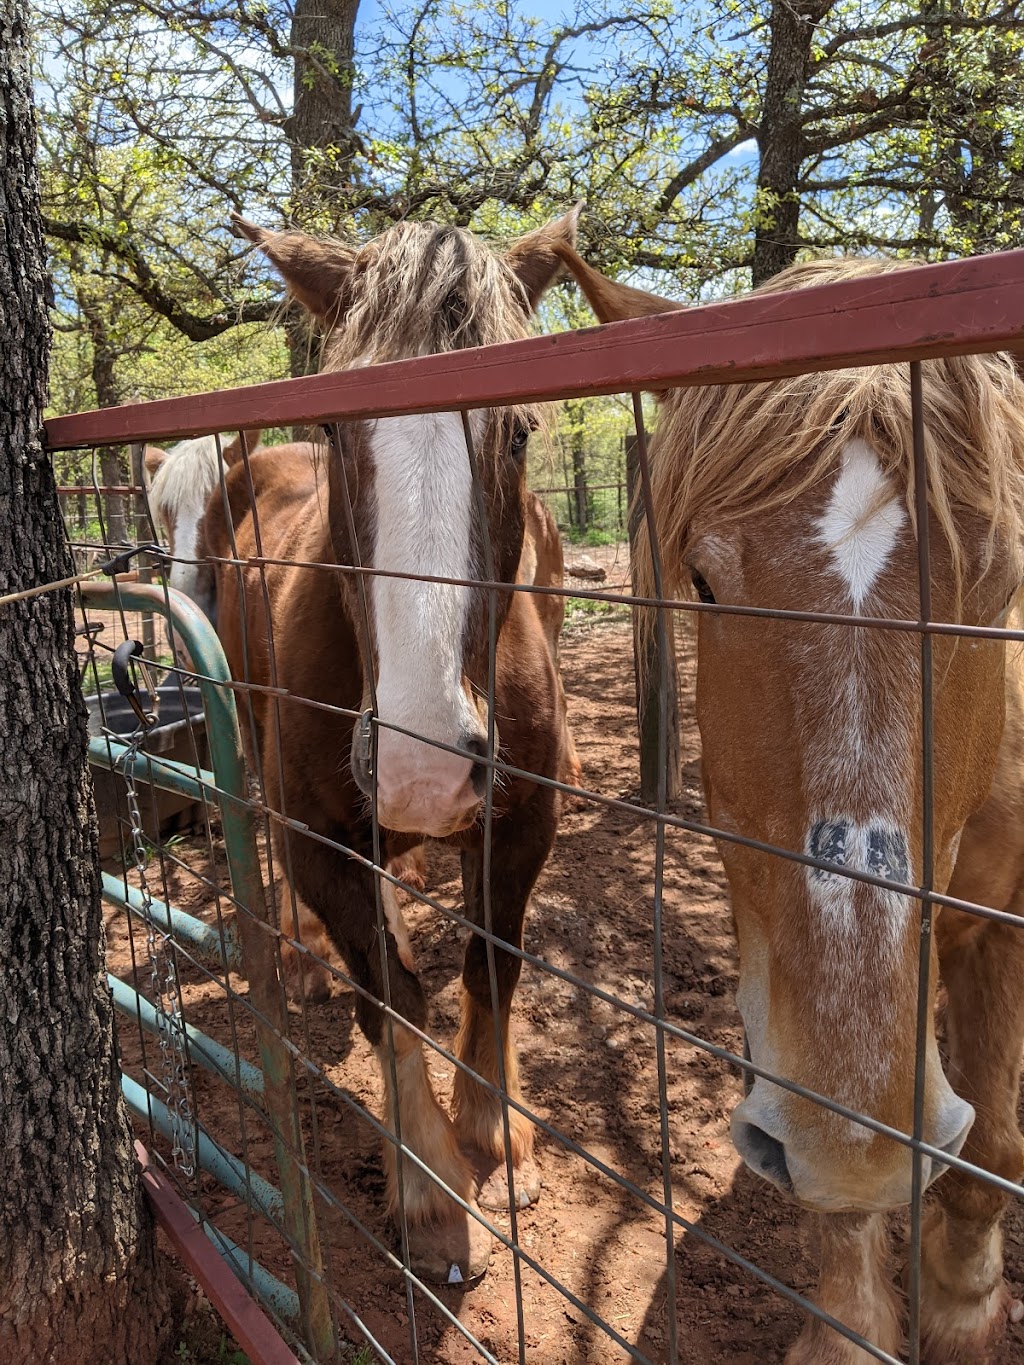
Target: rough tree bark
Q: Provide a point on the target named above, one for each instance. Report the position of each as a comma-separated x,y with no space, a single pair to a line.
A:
321,129
780,136
79,1279
322,134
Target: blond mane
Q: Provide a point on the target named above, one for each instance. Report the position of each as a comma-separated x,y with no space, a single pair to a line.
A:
420,289
725,453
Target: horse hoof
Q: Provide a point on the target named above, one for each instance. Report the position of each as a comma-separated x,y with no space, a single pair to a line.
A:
450,1253
494,1192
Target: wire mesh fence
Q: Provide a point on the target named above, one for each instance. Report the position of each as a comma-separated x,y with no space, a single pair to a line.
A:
364,1123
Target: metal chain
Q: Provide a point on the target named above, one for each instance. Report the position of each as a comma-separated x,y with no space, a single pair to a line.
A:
165,987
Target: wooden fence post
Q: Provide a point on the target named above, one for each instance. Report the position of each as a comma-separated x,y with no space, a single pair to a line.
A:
647,670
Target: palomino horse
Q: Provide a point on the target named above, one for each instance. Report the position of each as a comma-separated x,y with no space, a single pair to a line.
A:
799,494
400,498
182,482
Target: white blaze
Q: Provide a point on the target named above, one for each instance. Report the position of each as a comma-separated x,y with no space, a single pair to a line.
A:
184,576
862,521
178,496
863,751
424,525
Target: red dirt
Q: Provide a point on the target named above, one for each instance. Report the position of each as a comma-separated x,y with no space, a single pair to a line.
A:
588,1069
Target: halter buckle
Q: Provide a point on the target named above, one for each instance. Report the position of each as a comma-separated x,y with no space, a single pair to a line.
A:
364,742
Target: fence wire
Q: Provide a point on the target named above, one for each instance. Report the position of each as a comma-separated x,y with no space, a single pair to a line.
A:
338,1249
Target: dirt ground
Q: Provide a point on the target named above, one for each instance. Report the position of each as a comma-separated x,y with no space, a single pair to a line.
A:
588,1069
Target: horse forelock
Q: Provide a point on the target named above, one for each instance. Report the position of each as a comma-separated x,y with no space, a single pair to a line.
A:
186,478
725,453
422,289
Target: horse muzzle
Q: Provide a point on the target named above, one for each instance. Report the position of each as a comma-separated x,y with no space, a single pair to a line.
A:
420,788
865,1175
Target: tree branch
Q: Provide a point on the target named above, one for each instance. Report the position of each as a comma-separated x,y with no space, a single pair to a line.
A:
144,283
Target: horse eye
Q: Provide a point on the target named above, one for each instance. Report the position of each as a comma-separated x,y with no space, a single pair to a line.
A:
519,439
701,584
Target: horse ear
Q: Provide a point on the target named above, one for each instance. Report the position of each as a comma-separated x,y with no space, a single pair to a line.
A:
231,452
536,257
613,302
152,458
316,272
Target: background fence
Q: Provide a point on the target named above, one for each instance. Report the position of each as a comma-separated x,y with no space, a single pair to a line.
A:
265,1113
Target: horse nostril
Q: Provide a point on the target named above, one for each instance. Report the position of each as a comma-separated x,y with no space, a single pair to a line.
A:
763,1154
361,774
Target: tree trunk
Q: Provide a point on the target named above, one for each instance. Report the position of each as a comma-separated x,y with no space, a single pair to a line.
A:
321,129
570,501
79,1279
323,140
108,395
780,138
649,668
95,310
579,482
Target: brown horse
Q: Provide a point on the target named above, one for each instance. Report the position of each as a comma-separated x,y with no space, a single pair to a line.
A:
182,482
799,493
418,653
543,563
289,477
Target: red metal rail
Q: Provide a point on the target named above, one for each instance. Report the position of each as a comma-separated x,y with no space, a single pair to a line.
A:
240,1313
956,307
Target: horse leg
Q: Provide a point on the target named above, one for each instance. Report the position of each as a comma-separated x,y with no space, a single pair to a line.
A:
305,977
411,867
573,776
522,841
396,923
441,1233
855,1287
965,1302
442,1236
308,979
572,768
